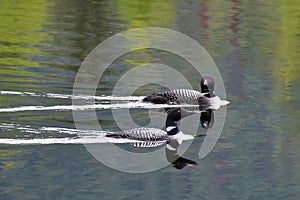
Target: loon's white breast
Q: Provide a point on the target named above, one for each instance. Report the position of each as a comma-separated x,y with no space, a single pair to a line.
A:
216,102
180,136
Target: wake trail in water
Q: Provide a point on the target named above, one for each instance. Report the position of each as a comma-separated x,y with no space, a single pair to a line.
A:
82,140
91,107
131,102
77,136
68,96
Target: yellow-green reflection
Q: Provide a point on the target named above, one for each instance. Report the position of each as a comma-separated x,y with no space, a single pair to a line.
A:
138,14
288,70
7,164
286,73
20,28
7,152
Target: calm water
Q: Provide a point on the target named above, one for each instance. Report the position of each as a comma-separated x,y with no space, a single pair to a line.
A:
255,46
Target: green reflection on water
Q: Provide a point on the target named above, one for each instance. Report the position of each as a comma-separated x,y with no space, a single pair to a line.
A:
3,155
20,29
147,13
286,70
262,40
138,14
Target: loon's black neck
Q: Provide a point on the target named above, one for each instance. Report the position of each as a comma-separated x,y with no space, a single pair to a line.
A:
173,117
207,86
209,94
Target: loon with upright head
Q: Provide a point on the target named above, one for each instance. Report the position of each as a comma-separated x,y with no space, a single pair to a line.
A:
157,135
186,96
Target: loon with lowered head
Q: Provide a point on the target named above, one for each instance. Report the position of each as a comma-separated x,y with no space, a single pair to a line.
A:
206,97
157,135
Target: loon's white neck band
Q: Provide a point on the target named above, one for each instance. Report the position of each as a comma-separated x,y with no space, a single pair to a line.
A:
169,128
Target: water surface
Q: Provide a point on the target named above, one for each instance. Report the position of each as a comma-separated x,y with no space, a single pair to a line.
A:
255,45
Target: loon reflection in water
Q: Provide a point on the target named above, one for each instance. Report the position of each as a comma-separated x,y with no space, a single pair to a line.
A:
173,157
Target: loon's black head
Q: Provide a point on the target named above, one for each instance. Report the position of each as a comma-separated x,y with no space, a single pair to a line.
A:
208,86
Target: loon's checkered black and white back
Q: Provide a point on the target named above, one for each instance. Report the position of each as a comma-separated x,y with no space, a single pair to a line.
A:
185,96
154,135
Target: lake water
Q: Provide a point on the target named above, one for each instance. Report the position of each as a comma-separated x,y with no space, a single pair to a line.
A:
255,45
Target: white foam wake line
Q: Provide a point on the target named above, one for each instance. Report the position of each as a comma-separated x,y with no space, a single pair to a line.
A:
45,141
82,140
68,96
41,130
82,136
90,107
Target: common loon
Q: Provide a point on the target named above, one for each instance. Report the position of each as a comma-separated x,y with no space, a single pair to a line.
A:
186,96
156,135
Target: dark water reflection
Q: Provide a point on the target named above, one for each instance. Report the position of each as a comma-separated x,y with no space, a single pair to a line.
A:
255,45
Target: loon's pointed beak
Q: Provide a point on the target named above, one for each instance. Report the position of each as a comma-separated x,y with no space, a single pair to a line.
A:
199,135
